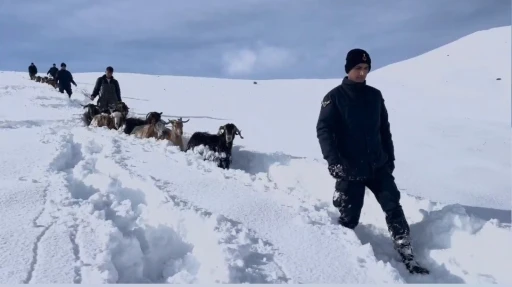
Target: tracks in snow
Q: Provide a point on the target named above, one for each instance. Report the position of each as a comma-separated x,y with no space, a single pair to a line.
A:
301,252
124,210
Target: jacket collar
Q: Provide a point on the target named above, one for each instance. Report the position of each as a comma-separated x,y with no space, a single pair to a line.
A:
353,88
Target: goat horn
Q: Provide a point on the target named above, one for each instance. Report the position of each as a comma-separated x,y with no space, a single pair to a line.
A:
239,132
184,121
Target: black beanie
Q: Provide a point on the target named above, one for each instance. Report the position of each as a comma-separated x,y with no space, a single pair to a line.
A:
356,57
63,65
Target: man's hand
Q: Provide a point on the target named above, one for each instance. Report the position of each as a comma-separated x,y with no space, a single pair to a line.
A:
336,171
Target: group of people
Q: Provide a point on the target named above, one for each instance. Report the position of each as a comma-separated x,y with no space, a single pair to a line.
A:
106,86
63,77
354,134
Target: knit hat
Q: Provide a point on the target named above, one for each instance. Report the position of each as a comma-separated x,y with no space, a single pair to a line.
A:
356,57
63,65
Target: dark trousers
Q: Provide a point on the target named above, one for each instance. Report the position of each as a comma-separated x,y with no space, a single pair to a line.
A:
349,198
66,88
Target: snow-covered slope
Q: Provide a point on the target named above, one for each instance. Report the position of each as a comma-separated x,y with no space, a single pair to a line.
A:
91,205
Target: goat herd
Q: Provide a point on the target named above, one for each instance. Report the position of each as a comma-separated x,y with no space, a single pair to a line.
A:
45,80
153,126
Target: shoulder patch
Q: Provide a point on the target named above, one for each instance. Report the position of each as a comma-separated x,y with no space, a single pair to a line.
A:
325,102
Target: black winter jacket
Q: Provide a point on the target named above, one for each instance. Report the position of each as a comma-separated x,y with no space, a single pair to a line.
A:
103,86
32,69
53,71
353,129
64,78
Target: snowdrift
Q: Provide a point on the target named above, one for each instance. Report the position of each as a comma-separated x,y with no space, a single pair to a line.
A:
84,205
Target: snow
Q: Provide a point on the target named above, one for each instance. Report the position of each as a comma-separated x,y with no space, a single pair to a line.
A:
89,205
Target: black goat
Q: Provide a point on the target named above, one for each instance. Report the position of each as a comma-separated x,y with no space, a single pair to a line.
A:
131,123
220,143
92,110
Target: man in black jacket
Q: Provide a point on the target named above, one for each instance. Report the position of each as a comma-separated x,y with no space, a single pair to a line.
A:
32,71
355,138
53,71
108,89
65,79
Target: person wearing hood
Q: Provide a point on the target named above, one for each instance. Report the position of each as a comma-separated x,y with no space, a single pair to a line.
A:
108,90
354,134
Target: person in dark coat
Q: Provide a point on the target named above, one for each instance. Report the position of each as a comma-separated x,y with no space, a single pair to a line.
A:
32,71
64,80
354,133
108,89
53,71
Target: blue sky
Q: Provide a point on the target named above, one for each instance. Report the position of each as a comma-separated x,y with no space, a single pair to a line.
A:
251,39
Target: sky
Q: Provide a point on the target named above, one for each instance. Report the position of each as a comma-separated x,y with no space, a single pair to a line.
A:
241,39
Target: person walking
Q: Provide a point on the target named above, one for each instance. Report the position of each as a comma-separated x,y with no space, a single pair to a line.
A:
108,90
53,71
355,138
64,80
32,71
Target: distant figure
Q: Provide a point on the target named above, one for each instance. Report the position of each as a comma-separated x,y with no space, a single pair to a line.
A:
355,138
64,80
108,89
53,71
32,71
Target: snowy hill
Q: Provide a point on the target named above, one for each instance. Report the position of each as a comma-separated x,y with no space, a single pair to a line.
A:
89,205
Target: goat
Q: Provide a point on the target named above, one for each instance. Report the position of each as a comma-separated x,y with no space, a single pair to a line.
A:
131,123
221,143
38,79
92,110
119,114
174,135
44,80
52,82
152,129
103,120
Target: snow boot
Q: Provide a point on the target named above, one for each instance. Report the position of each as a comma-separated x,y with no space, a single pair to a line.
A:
404,248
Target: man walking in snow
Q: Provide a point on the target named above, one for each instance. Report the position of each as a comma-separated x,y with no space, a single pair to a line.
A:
53,71
108,89
65,79
32,71
355,138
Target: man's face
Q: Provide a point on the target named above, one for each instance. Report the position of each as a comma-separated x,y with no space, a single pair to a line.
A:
109,74
359,73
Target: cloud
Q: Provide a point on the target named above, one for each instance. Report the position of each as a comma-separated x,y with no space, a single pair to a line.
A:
261,59
255,39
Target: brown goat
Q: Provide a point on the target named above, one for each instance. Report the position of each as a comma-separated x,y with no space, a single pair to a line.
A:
174,135
149,131
153,129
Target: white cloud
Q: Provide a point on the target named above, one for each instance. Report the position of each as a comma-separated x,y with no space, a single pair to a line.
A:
260,59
